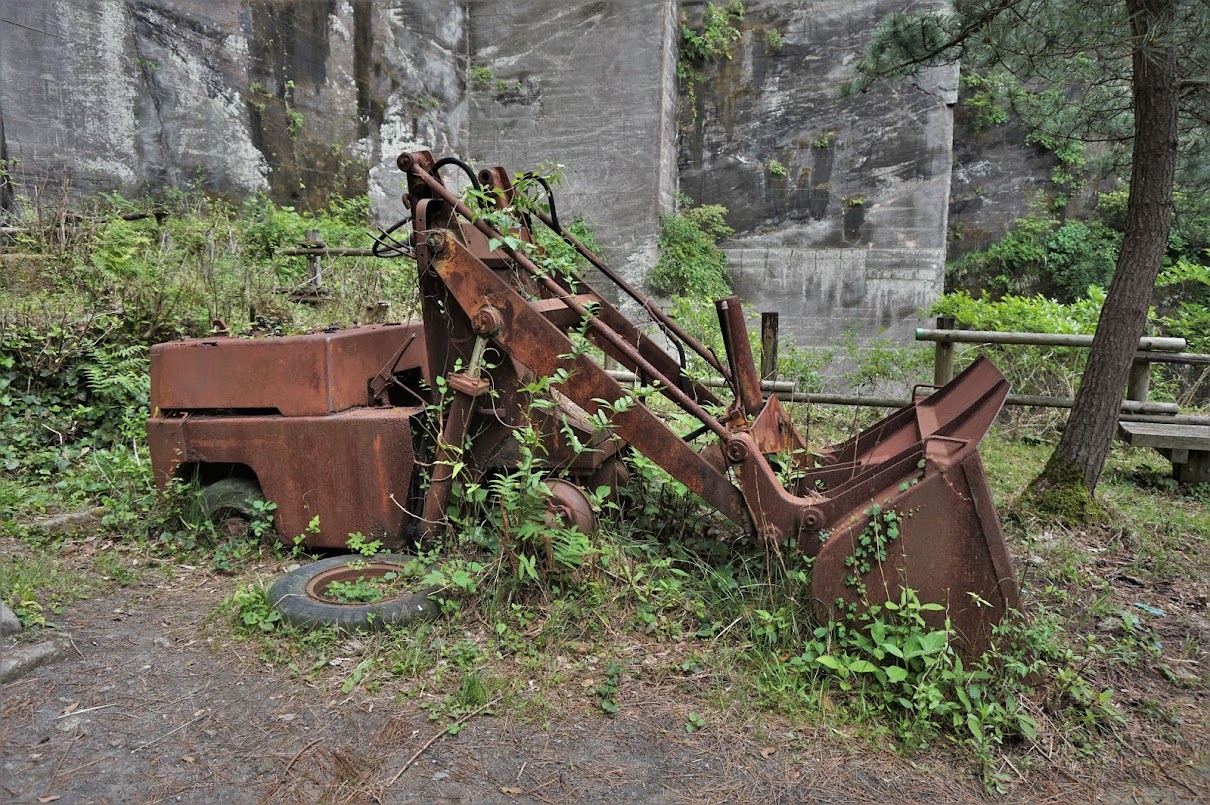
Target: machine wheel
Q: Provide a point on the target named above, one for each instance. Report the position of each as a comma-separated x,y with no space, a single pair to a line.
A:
568,506
228,503
301,596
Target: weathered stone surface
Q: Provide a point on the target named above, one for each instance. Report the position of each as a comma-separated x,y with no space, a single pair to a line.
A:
109,95
70,522
16,661
419,72
10,624
854,231
821,293
591,86
996,179
297,98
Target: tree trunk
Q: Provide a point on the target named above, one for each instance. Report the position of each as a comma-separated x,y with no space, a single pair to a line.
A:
1080,454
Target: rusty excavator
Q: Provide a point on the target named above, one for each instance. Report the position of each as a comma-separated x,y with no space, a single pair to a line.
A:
337,423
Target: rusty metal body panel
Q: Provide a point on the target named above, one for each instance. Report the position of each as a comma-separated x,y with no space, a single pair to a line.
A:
300,375
293,412
932,553
354,469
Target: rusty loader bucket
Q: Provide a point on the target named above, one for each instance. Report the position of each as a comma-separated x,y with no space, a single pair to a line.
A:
910,508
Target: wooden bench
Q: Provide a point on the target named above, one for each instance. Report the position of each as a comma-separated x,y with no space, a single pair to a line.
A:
1186,446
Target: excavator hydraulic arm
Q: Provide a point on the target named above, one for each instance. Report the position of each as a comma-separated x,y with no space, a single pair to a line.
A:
902,504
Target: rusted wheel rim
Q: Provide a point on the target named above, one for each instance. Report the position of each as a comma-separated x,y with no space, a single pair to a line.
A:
613,474
569,507
317,586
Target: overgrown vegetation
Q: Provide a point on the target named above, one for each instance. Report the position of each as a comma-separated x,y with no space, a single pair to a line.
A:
539,618
1049,253
86,294
714,37
691,262
711,41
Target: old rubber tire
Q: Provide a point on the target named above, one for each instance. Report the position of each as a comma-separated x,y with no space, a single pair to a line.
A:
229,504
298,595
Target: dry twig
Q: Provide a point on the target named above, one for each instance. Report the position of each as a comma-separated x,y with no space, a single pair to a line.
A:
286,772
434,740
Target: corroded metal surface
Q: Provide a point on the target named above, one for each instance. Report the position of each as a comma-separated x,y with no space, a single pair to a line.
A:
354,470
569,506
941,537
304,375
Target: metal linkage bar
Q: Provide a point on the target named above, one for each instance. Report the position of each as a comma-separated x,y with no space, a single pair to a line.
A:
666,322
671,387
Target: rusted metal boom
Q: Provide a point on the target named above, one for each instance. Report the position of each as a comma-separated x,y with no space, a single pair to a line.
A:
902,504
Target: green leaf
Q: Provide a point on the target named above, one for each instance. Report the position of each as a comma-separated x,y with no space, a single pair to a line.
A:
862,667
933,642
895,673
828,661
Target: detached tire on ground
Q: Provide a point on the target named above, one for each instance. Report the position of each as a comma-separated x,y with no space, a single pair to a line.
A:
300,595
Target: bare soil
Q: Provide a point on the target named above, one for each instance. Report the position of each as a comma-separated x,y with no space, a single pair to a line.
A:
158,704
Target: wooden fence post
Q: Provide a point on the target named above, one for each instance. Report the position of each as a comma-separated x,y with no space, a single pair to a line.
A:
943,354
313,240
768,346
1139,383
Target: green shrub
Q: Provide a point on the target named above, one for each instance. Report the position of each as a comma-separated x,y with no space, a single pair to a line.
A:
1184,289
1039,254
691,262
718,32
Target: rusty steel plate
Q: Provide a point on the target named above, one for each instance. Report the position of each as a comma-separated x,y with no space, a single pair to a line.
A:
301,375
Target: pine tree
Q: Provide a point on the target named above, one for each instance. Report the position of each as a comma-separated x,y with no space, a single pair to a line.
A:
1129,70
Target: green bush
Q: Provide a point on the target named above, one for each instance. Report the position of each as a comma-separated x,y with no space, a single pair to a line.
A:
691,262
1039,254
1184,290
74,382
718,32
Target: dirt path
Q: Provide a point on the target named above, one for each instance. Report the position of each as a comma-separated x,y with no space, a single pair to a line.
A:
152,706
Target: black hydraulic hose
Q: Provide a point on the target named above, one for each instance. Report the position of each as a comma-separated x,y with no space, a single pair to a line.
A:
550,202
441,163
387,246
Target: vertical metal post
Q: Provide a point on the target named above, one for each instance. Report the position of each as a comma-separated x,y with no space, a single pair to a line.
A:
739,353
943,354
313,240
768,346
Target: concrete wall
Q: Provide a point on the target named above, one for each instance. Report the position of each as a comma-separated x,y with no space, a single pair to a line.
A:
298,99
590,86
852,236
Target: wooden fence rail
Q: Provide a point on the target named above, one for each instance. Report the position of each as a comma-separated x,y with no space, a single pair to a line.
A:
1135,406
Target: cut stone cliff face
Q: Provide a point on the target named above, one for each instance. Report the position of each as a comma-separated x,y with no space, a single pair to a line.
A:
297,99
839,202
307,98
